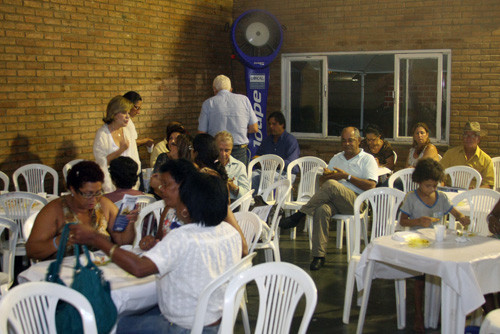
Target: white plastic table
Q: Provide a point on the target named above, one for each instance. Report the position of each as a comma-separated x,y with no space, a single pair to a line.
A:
130,294
468,270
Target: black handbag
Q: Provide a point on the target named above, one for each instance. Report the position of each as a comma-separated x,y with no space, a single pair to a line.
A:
90,282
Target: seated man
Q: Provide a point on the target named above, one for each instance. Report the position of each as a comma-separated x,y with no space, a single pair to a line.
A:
349,173
471,155
278,142
236,171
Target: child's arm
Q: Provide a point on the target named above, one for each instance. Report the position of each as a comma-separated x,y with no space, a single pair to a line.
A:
422,221
464,220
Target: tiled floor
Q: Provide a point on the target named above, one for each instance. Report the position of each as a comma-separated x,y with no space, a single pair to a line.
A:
330,283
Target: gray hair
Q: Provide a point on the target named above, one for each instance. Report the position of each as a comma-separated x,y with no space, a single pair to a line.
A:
224,136
222,82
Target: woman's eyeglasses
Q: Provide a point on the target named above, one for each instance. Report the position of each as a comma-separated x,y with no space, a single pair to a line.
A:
91,195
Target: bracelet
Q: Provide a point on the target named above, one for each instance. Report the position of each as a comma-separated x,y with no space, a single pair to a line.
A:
54,242
112,251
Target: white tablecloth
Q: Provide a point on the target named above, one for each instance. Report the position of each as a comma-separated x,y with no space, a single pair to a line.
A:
469,269
130,294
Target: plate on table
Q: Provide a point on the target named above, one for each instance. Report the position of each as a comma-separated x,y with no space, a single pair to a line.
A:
412,239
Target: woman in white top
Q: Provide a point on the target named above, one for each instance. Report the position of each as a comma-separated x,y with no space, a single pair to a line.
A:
422,147
114,139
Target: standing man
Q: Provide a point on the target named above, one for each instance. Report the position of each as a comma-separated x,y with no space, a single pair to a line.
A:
471,155
278,142
230,112
349,173
237,183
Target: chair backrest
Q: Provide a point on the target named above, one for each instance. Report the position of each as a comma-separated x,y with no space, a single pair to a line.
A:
395,157
31,308
34,176
28,225
496,170
461,176
147,216
281,190
405,176
203,299
8,226
6,181
68,166
251,226
385,203
308,168
481,201
270,164
18,206
281,286
243,202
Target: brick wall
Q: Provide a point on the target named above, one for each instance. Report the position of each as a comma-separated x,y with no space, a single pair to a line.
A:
61,61
470,28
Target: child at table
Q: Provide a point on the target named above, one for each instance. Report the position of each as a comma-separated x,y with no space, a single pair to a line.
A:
423,207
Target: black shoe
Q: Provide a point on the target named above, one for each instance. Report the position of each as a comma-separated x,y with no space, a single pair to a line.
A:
292,221
317,263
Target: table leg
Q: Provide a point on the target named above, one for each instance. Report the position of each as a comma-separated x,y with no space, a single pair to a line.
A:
452,317
366,295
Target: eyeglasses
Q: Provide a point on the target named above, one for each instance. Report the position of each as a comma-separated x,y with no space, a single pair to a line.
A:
91,195
137,107
470,135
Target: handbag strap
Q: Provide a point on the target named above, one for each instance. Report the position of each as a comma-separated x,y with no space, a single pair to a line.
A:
78,264
55,267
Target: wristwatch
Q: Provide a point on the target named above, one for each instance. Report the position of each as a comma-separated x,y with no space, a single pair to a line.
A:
349,178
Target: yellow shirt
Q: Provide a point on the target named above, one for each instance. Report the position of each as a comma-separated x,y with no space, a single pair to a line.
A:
159,148
480,161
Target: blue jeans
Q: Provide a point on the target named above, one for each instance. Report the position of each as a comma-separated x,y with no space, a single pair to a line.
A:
153,322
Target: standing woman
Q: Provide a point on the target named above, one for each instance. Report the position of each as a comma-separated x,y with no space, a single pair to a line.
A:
422,147
114,139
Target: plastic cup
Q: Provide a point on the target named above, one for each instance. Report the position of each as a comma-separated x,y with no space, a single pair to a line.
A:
439,230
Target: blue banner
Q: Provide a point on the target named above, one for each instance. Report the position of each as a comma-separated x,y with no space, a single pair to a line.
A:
257,81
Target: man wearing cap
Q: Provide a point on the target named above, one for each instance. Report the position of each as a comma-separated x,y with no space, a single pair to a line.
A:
471,155
230,112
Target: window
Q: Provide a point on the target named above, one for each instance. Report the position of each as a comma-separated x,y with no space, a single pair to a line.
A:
323,93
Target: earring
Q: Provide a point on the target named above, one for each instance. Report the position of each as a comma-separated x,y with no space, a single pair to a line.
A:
184,213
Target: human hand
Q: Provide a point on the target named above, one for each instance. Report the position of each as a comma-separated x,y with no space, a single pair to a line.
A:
82,234
132,216
148,242
426,221
123,143
339,174
232,186
148,141
464,220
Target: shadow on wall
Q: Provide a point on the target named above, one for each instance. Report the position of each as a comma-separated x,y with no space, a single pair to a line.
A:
65,153
19,156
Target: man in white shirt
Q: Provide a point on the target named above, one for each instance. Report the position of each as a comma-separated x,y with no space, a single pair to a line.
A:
230,112
349,173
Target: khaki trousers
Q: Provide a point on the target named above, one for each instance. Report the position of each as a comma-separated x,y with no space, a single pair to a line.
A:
332,198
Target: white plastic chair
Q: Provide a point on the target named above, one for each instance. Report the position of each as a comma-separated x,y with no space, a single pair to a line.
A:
281,287
308,169
6,182
251,226
243,202
7,274
405,176
155,209
461,176
201,306
18,206
34,175
270,164
491,324
481,201
270,240
31,308
68,166
385,203
496,170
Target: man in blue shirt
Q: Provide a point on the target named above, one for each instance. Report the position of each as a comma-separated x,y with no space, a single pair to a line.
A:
229,112
278,142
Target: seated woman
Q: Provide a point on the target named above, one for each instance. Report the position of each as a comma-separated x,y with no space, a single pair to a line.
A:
85,205
174,130
186,260
375,144
422,147
162,146
123,171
